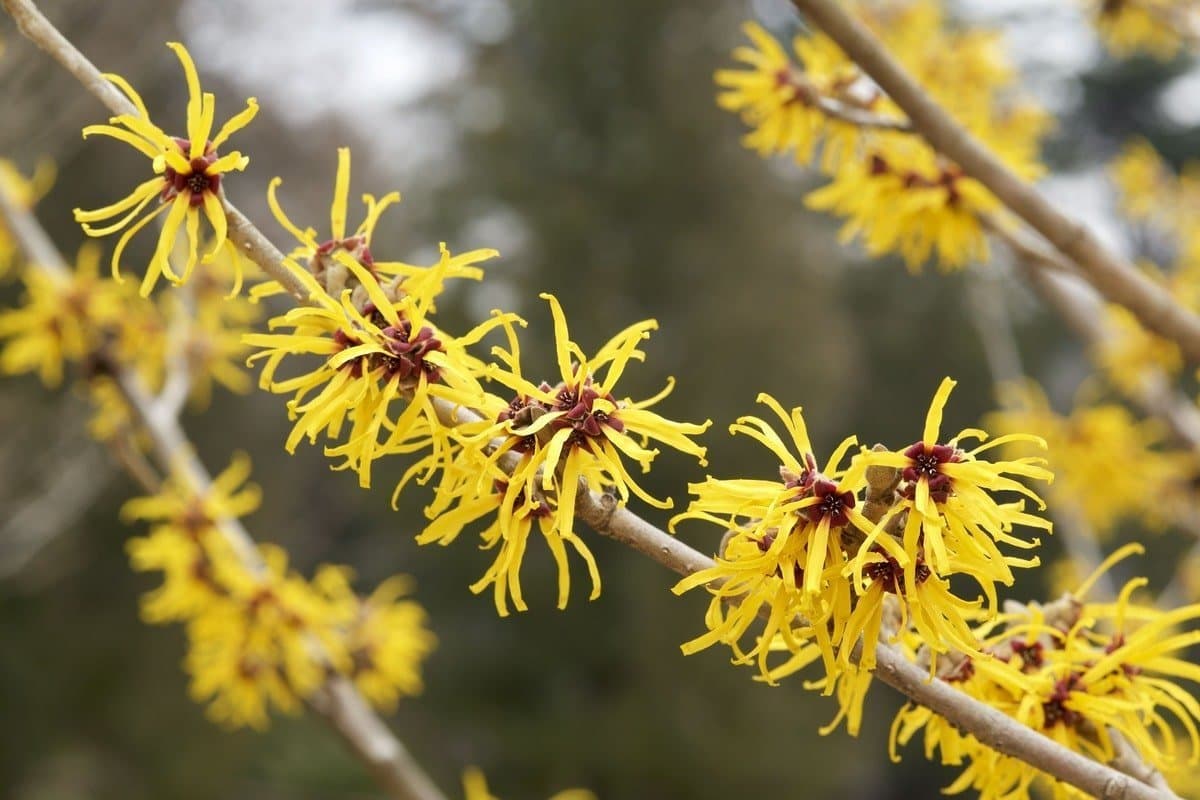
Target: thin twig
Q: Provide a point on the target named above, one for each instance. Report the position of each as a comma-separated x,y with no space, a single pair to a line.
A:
809,93
1129,761
860,117
1113,276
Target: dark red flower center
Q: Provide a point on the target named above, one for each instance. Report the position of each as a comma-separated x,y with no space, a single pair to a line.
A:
1055,711
925,463
947,178
831,504
890,574
582,416
195,181
804,481
356,246
1032,655
344,340
406,354
522,412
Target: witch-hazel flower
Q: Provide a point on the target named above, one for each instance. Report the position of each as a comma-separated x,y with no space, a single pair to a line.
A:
530,456
382,350
786,546
187,182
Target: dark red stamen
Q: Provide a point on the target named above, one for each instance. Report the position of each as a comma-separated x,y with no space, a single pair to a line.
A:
581,414
195,181
1055,710
890,574
406,354
926,462
831,504
1032,655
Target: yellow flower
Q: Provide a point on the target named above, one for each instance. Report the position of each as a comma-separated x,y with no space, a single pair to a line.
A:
1078,671
385,637
476,488
905,198
1109,465
185,557
61,321
177,506
1152,192
188,174
777,97
785,552
324,257
379,345
945,522
1133,355
24,193
475,788
554,441
252,648
194,557
1154,27
962,68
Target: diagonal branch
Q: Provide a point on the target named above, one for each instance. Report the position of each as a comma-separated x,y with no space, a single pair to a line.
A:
988,725
1113,276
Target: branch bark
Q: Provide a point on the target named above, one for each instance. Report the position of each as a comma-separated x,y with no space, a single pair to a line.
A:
1113,276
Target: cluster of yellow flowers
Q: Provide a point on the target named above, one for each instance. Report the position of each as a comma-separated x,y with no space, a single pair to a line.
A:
254,633
389,380
1109,465
95,323
1097,677
827,555
893,189
1158,28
